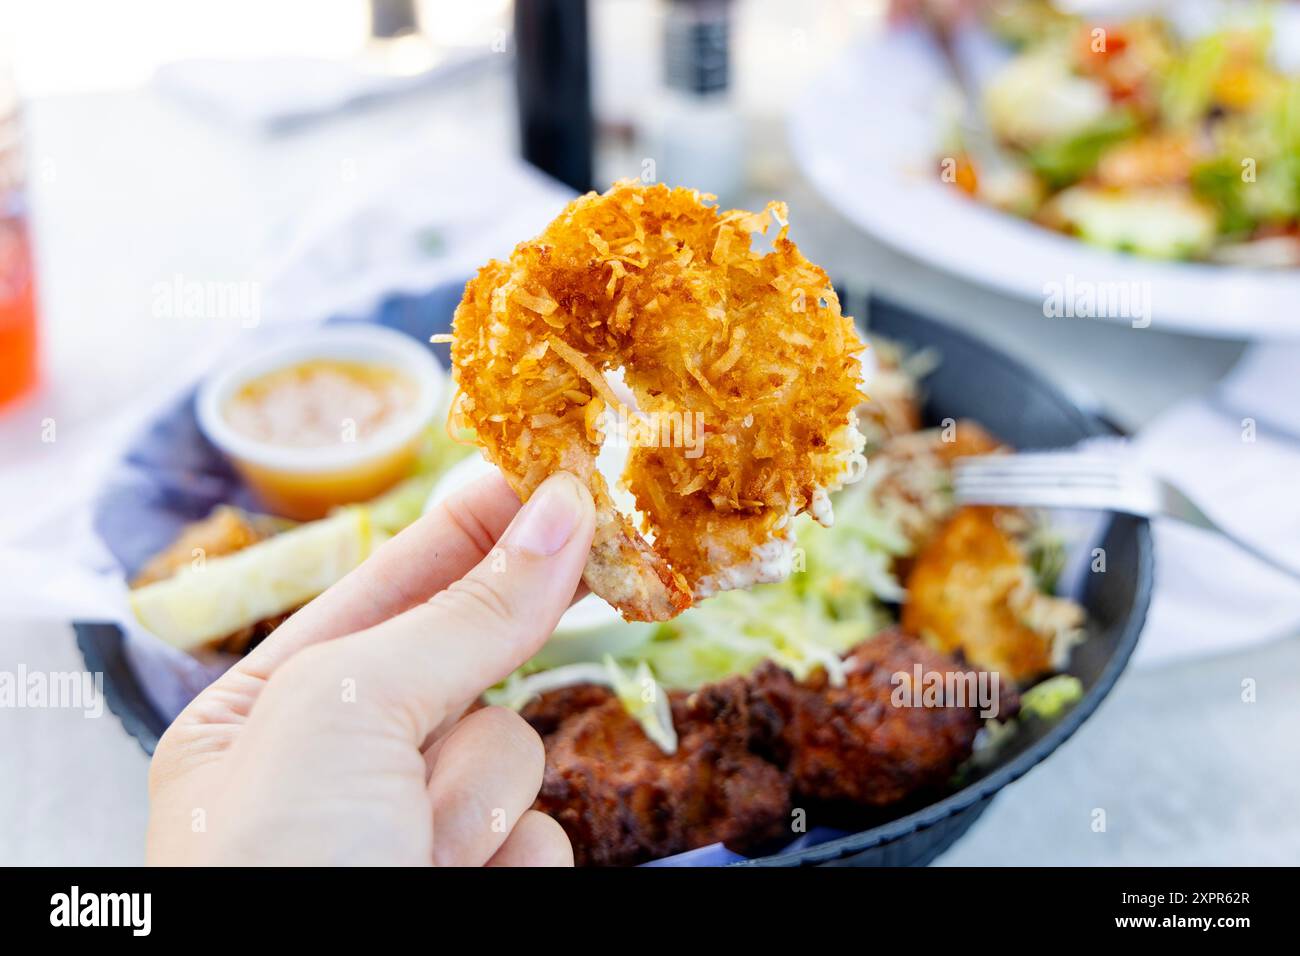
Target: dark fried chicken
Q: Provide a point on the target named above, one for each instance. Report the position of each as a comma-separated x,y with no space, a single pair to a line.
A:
851,744
624,801
745,746
547,711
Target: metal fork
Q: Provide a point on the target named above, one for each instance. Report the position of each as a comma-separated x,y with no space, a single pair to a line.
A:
1089,482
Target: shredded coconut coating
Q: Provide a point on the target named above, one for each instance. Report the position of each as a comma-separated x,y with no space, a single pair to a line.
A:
740,361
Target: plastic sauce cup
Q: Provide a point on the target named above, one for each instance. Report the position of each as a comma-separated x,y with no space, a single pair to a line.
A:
307,482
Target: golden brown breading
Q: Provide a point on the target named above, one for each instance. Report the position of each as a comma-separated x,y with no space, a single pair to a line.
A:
741,362
547,711
225,531
971,591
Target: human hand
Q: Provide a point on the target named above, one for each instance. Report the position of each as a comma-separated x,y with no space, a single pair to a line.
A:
339,740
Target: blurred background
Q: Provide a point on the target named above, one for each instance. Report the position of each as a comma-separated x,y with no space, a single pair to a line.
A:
318,156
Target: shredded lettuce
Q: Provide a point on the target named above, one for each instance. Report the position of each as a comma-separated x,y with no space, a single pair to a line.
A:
1045,550
646,701
736,631
1047,701
521,687
1050,699
831,602
641,695
401,505
990,741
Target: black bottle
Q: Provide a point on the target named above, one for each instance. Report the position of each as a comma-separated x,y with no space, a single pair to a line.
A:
553,87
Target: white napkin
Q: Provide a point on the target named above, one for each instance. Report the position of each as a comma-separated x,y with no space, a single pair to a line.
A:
439,211
1236,453
273,94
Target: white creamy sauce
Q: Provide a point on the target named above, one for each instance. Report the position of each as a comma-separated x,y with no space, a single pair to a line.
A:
611,460
821,509
768,563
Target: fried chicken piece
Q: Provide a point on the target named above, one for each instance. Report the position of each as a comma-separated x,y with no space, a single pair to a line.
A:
851,744
972,591
624,801
747,744
225,531
546,712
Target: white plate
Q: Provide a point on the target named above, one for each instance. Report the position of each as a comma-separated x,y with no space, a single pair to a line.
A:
866,134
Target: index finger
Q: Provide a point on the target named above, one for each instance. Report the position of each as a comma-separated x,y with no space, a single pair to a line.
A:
434,658
407,570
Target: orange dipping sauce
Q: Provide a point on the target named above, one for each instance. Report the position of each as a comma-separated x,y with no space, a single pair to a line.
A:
320,402
334,416
305,496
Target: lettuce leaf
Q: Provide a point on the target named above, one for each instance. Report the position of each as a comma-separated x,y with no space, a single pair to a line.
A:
832,601
1050,699
1066,161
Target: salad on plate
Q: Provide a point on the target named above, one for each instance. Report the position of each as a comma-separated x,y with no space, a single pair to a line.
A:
1142,138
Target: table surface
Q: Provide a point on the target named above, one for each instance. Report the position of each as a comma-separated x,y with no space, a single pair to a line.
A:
130,190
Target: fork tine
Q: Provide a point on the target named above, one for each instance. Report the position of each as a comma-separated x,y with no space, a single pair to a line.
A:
1036,473
1074,499
1021,487
1038,464
970,492
1051,481
1048,455
1030,476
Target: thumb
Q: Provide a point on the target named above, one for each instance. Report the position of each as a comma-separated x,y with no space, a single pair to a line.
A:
430,660
518,592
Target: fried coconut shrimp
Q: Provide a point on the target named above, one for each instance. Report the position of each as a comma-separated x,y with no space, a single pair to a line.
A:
972,591
744,372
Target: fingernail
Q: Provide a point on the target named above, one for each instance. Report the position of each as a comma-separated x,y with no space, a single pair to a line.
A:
552,514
